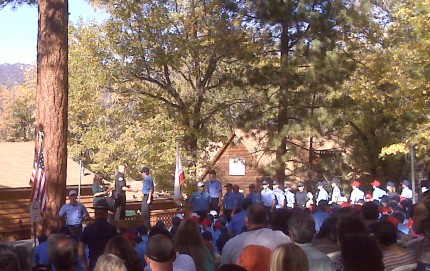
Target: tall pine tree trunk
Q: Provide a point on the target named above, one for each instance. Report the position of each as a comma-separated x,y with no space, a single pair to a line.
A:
52,96
283,110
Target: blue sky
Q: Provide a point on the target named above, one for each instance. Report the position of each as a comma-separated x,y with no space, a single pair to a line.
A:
18,31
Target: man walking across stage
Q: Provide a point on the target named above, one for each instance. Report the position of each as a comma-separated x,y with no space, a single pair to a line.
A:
147,191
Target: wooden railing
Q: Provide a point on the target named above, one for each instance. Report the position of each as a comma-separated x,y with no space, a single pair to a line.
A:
15,221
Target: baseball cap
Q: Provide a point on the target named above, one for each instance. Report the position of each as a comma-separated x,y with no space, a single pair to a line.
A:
301,184
376,183
335,180
200,184
160,248
406,182
287,186
265,182
72,192
275,183
356,183
390,184
144,169
213,213
321,183
255,257
101,204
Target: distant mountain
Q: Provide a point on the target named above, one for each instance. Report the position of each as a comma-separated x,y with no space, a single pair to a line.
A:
12,74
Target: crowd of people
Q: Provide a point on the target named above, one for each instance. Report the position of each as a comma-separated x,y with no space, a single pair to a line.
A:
267,230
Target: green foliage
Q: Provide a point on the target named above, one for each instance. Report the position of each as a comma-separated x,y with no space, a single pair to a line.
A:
18,110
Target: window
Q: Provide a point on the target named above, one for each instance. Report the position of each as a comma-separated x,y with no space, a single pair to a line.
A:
236,167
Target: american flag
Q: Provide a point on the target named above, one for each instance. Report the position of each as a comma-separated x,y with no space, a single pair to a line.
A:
38,181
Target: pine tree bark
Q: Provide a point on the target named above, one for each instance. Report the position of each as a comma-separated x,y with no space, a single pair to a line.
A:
52,96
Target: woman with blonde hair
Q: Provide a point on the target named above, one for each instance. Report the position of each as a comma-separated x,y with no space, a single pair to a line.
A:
189,240
289,257
122,247
110,262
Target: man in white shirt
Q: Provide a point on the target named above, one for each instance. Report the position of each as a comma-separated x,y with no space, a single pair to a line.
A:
289,196
322,194
377,192
356,193
406,191
335,194
256,234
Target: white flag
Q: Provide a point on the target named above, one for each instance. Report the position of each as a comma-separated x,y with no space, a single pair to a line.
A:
179,176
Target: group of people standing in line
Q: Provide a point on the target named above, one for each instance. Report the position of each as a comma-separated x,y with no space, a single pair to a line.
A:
210,196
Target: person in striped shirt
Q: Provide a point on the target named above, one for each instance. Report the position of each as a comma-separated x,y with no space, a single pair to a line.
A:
394,255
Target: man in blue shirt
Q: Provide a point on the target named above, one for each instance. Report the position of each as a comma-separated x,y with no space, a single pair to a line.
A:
256,197
267,198
201,201
148,192
228,201
214,188
237,224
278,197
74,213
238,199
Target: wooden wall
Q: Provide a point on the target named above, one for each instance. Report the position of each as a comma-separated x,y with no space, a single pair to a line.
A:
252,173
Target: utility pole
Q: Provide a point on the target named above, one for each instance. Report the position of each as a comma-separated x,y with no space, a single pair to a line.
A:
413,173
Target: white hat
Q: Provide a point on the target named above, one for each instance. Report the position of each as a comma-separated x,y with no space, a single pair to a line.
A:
181,216
213,213
424,189
200,184
194,215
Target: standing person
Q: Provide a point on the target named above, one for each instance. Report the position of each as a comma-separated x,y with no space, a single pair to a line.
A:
278,199
322,194
335,193
406,191
301,196
289,197
214,188
74,212
98,188
96,236
120,189
391,190
148,192
377,192
356,193
256,197
201,201
238,199
267,198
228,201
